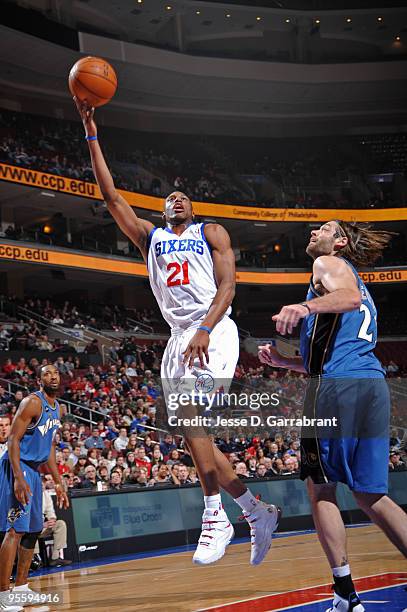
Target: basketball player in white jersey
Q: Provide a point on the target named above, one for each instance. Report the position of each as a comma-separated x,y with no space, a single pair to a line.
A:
184,259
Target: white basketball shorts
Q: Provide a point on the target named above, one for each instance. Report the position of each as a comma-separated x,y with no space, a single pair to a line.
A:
218,373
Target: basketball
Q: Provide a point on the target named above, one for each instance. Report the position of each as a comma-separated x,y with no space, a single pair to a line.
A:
94,80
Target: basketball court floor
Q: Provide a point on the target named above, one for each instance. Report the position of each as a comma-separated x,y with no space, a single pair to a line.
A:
295,575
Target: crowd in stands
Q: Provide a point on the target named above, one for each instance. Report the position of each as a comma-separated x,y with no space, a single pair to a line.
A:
122,450
91,314
28,336
234,171
18,334
122,444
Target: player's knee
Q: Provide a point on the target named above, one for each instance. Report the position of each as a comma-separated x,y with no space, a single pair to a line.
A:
365,501
321,492
14,535
29,540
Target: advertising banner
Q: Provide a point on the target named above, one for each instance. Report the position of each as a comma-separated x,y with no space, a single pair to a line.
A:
43,180
116,265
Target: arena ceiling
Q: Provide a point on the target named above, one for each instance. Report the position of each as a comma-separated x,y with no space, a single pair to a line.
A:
275,30
172,92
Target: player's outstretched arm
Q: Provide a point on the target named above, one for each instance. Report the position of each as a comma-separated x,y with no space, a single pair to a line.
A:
339,284
136,229
28,411
63,500
225,274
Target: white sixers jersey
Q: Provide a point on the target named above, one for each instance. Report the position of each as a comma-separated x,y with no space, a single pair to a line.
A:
181,275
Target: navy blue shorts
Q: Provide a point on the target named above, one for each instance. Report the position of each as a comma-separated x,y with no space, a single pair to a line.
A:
355,451
13,515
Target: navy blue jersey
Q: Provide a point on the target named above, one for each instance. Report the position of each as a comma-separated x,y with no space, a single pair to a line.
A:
340,345
35,445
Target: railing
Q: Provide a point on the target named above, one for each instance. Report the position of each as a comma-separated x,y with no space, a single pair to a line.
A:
243,333
142,327
92,244
80,241
12,387
45,324
4,344
88,334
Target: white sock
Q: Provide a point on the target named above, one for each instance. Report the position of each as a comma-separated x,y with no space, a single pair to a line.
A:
340,572
21,587
247,501
213,502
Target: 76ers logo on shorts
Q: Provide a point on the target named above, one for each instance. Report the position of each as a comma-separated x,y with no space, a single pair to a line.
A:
204,383
13,514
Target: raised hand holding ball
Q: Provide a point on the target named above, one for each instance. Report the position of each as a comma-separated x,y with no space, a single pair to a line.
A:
92,79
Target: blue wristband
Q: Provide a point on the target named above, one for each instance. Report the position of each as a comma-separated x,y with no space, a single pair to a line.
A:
91,138
205,328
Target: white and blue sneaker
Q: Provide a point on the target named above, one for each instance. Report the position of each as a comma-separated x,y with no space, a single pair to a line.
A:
25,596
6,603
351,604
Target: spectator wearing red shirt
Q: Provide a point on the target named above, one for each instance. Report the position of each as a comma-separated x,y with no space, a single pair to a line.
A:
62,465
141,459
79,384
253,448
9,367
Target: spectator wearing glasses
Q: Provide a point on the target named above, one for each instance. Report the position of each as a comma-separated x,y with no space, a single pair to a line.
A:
91,478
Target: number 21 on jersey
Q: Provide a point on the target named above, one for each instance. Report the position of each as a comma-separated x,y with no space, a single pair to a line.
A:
179,274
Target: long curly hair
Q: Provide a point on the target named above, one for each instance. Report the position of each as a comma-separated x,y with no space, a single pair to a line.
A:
365,245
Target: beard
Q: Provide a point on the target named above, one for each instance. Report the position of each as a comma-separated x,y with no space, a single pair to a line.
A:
321,247
50,390
312,251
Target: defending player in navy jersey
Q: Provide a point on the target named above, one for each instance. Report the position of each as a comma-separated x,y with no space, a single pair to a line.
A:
338,336
191,268
30,445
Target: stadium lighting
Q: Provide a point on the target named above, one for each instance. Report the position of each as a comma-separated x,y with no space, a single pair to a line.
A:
198,12
380,19
348,20
168,7
258,18
318,21
47,229
287,21
398,38
228,15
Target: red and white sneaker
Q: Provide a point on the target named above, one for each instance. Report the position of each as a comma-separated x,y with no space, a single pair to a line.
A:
263,521
216,534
